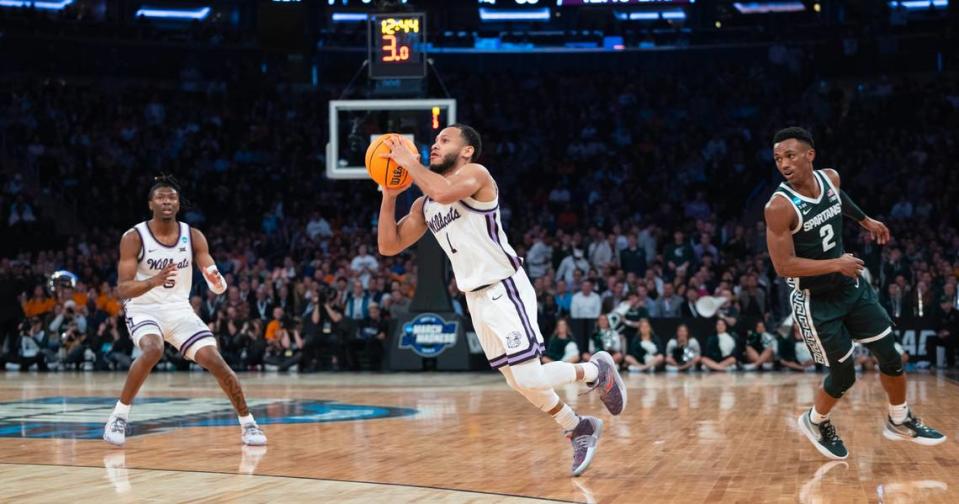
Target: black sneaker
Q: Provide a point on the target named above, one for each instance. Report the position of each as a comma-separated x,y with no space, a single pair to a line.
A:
823,436
912,430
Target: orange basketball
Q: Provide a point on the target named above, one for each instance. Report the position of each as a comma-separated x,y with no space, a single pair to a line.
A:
385,171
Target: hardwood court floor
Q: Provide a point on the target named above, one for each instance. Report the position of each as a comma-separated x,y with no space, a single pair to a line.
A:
463,438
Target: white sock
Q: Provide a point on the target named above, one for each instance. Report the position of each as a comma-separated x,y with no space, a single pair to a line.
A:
559,373
590,371
121,410
248,419
817,417
566,418
898,413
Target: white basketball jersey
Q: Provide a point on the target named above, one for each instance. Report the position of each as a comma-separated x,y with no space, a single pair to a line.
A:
472,236
154,256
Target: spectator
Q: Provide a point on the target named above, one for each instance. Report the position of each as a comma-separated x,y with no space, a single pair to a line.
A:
679,256
794,354
760,348
370,338
537,259
365,265
645,351
605,339
572,263
722,352
682,352
358,302
562,345
947,333
669,305
584,310
633,258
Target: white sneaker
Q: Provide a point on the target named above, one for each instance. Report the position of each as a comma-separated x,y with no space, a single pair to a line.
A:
115,431
634,369
253,435
749,366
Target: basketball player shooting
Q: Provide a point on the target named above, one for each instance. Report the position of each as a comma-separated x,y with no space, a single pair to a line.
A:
460,207
154,278
832,304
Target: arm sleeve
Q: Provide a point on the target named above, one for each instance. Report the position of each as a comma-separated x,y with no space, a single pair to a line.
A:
849,208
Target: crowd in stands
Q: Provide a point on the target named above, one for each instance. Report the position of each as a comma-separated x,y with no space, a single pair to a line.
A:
629,195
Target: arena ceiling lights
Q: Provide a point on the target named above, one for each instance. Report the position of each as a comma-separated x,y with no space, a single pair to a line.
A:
173,13
502,15
920,4
768,7
38,4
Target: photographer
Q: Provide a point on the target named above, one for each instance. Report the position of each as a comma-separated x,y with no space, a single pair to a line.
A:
75,348
321,329
284,350
226,327
115,345
67,314
251,344
30,344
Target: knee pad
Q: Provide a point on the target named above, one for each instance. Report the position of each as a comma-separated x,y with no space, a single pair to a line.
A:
890,360
840,378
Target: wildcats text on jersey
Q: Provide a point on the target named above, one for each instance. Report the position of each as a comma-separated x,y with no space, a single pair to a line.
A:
440,221
159,264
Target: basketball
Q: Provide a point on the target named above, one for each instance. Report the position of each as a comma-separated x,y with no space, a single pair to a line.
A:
385,171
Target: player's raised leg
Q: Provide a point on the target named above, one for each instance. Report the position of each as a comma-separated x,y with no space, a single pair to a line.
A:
212,361
530,380
152,346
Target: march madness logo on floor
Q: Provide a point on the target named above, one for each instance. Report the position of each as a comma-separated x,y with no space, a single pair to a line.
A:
84,417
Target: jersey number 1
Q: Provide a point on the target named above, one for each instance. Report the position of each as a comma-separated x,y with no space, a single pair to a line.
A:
827,235
452,248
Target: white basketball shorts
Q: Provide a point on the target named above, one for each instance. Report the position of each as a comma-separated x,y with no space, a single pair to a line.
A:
178,326
504,318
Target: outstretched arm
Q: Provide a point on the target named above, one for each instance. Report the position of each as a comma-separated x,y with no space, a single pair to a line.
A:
779,240
394,237
850,209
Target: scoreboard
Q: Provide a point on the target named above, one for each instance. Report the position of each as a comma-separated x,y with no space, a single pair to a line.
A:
397,46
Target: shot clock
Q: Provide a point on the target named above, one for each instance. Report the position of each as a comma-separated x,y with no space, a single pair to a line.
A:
396,46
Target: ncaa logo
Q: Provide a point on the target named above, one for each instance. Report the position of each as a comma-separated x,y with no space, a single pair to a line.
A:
428,335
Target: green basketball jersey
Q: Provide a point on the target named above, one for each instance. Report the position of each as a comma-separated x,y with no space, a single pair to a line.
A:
818,235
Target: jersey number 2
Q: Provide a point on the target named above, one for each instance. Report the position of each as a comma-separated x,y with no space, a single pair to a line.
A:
827,235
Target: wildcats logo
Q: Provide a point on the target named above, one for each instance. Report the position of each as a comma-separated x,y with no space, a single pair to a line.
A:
159,264
84,417
440,221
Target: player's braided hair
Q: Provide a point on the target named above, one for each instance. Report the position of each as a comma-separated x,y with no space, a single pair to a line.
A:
167,180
